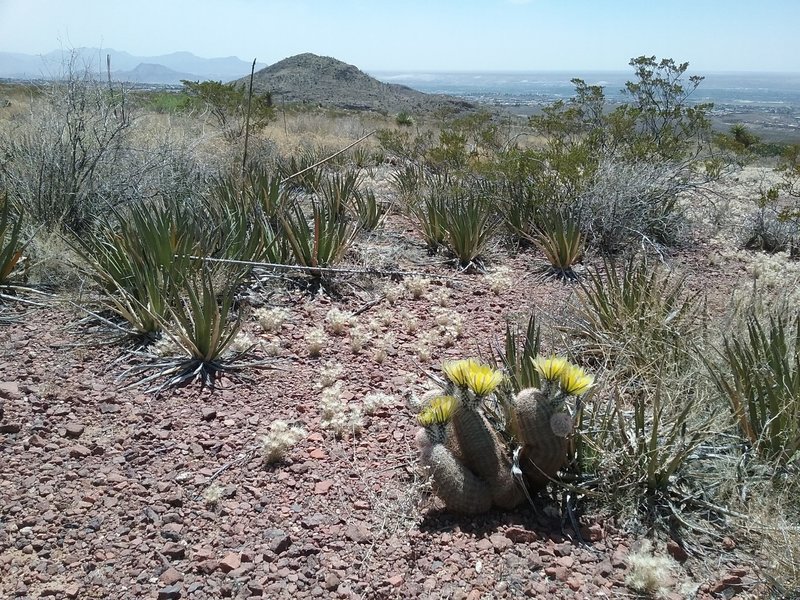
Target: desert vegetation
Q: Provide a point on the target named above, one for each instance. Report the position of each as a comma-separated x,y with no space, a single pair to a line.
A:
582,323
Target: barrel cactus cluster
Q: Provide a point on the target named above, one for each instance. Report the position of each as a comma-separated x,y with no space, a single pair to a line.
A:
484,448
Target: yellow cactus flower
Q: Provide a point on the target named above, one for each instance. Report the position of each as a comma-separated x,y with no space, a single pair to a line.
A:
483,379
438,412
458,371
550,368
575,381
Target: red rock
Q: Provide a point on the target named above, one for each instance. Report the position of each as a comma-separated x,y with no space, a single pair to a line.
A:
79,451
322,487
174,550
358,533
500,542
72,590
171,576
231,561
317,454
676,551
521,536
74,430
395,580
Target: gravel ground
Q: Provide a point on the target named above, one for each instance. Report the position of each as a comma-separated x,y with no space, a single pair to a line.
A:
110,493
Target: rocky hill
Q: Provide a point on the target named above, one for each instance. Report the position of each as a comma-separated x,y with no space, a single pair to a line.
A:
325,81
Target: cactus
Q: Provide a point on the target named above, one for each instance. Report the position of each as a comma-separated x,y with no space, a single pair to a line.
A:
468,455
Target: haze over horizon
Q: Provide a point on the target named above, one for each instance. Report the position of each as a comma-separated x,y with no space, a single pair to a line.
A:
449,35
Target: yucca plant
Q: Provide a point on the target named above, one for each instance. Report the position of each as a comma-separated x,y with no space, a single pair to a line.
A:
560,239
322,243
336,191
134,261
202,325
408,181
301,174
369,212
759,375
430,215
516,357
469,223
637,451
634,319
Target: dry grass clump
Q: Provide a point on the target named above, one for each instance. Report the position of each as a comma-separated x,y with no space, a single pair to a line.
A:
375,401
316,341
338,321
329,375
271,319
279,440
417,286
650,573
359,338
337,416
500,280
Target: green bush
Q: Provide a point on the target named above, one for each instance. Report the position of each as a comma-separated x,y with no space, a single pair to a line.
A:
228,104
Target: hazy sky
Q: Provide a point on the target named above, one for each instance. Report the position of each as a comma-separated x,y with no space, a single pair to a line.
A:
738,35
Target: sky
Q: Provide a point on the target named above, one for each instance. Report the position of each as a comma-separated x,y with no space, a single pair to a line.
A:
424,35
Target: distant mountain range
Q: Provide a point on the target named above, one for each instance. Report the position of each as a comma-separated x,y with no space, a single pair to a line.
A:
164,69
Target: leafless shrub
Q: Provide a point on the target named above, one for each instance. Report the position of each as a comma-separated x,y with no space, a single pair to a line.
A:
628,201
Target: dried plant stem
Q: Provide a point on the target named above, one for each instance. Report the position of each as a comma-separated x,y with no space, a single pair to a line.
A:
332,156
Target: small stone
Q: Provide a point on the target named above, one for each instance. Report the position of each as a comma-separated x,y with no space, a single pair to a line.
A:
74,430
564,549
171,576
332,581
358,533
170,592
728,543
395,580
521,536
317,454
207,566
174,550
231,561
79,451
10,427
10,390
209,414
676,551
322,487
500,542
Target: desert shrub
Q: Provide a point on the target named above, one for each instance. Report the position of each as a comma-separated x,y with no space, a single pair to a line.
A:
633,446
228,104
61,167
626,167
759,376
11,244
625,202
403,119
